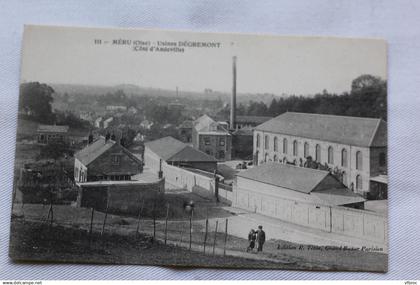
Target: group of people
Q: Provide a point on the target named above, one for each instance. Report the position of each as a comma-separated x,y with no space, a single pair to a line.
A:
256,237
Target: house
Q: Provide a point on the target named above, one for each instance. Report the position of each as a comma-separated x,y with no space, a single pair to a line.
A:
105,160
133,110
113,108
177,153
98,122
264,188
52,133
107,122
146,124
212,138
353,148
185,131
250,121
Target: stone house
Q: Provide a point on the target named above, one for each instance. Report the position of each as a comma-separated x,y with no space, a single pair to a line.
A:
52,133
105,160
212,138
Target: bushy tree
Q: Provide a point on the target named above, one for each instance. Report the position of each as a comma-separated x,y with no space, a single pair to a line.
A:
37,98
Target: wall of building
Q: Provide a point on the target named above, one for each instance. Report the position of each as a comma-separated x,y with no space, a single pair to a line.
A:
376,168
121,199
80,171
214,146
297,208
105,165
350,171
242,146
182,178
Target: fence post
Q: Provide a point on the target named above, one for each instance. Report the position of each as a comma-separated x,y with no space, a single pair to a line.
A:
139,217
207,228
191,216
154,219
182,232
226,235
106,213
215,236
166,222
91,221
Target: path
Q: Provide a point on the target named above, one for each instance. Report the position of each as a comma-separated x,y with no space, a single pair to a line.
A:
243,221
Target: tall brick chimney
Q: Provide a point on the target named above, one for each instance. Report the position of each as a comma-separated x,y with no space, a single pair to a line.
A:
233,99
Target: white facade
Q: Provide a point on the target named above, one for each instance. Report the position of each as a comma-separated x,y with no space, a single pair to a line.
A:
335,155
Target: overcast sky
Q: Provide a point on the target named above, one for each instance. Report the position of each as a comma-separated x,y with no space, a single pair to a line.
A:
266,64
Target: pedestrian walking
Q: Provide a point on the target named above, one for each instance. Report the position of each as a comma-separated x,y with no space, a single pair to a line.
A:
252,236
260,238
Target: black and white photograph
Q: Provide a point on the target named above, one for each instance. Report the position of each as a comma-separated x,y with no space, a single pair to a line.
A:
194,149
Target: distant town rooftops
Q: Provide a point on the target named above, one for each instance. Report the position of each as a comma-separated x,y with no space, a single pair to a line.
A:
94,150
355,131
52,129
170,149
252,119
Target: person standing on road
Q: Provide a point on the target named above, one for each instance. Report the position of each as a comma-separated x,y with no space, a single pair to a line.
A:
260,238
252,236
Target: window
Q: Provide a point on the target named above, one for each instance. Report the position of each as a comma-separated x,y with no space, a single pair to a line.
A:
221,154
318,153
344,157
206,140
359,184
266,157
258,140
306,150
382,159
284,145
359,161
209,152
330,155
266,142
222,141
275,144
275,158
295,148
115,159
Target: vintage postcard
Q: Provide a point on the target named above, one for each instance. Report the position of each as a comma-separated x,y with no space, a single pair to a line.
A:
201,149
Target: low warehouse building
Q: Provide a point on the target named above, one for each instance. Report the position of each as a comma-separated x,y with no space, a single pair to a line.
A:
177,153
295,194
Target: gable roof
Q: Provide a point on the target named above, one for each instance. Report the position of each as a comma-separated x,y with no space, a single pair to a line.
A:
336,196
170,149
94,150
357,131
287,176
53,129
208,125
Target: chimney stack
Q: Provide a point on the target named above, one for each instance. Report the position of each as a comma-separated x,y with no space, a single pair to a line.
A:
233,99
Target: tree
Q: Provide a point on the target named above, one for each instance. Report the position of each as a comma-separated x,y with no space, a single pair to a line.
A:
37,99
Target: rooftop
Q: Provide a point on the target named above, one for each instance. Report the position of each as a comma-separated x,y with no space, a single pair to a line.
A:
94,150
207,124
304,180
357,131
170,149
52,129
287,176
